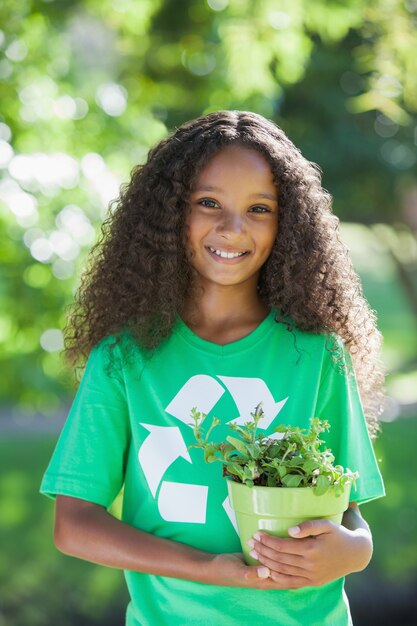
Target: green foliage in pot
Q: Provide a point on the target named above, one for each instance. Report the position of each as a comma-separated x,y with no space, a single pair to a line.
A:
295,459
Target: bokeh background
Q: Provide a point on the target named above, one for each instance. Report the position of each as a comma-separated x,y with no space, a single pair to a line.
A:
86,88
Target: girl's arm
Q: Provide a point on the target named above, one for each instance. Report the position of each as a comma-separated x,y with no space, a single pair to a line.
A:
87,531
321,550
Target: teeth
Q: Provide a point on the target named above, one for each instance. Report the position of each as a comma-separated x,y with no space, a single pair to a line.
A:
227,255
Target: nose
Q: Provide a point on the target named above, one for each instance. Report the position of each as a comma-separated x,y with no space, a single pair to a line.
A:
230,223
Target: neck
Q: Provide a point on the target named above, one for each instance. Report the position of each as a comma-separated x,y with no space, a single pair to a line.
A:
220,306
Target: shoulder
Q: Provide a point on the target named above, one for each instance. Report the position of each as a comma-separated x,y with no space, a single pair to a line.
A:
116,352
328,340
325,347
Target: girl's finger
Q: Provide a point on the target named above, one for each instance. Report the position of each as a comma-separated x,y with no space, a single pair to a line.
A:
274,580
282,568
261,550
312,527
255,573
287,546
289,582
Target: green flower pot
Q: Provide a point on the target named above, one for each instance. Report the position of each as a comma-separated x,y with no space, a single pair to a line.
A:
276,509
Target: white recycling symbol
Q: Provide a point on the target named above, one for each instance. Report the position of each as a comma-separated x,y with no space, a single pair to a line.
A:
182,502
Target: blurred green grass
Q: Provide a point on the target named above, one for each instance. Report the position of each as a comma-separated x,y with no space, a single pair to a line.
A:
384,292
393,519
41,586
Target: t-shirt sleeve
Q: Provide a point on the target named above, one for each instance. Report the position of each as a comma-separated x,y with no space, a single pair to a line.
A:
89,458
339,402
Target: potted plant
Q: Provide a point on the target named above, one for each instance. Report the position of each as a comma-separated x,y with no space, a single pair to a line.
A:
279,481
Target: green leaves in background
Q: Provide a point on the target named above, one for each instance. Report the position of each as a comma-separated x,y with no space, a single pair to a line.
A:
88,87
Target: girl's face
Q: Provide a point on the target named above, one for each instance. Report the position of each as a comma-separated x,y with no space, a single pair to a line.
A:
233,220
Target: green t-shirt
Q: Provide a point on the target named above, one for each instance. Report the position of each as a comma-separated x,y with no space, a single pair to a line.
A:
132,429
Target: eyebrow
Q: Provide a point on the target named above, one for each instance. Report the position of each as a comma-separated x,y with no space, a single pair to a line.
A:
270,196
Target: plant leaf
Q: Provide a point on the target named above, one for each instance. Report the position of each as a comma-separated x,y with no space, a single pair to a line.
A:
282,471
292,480
254,450
238,444
310,465
210,451
236,469
322,485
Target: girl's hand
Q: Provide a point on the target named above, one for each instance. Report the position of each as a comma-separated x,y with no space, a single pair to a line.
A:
320,552
230,570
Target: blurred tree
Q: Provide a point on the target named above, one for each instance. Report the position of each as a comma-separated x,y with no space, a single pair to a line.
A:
88,86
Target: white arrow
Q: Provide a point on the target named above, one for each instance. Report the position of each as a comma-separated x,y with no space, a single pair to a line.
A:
199,391
247,393
230,514
160,449
183,502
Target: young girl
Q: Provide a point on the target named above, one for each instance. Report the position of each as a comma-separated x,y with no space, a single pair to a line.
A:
219,282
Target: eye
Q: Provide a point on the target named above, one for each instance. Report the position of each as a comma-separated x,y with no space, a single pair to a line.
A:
210,203
263,209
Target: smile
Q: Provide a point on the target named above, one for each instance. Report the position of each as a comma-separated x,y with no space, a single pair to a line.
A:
226,255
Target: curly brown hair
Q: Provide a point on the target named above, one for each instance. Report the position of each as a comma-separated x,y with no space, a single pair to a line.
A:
138,277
